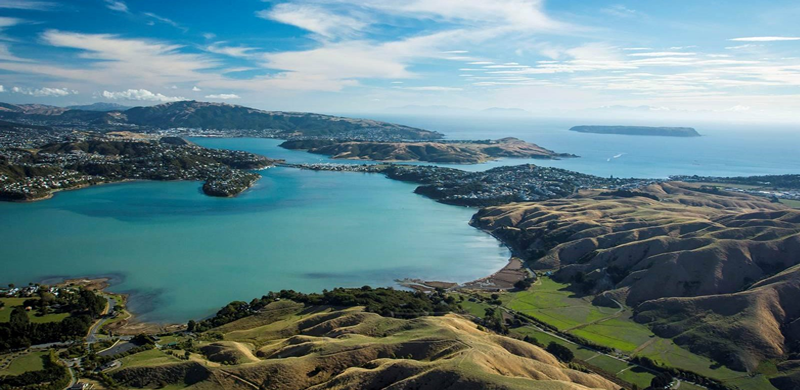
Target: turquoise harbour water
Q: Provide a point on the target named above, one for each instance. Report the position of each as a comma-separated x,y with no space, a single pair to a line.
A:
183,255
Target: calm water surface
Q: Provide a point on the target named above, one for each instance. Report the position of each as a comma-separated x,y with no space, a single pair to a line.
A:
184,254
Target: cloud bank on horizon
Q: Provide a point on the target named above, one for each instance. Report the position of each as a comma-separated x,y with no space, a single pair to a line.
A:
682,57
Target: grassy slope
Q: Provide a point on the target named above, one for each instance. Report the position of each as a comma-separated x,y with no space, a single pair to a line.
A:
28,362
5,312
791,203
351,349
148,358
551,302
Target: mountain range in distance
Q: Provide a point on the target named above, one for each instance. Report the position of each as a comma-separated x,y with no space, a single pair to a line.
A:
100,106
214,116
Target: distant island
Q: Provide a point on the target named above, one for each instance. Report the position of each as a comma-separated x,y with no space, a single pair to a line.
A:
639,130
456,152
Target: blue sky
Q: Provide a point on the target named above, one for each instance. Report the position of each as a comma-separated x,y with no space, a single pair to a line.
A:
728,59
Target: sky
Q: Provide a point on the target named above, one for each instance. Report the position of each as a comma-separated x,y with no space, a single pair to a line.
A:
710,59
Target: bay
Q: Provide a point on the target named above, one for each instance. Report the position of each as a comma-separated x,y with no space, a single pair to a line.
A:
183,255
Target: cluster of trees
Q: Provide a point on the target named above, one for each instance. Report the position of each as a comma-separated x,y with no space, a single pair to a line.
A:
629,194
387,302
53,375
559,351
493,319
19,332
673,372
524,284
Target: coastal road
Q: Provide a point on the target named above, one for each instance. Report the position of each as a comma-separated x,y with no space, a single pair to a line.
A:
72,379
92,336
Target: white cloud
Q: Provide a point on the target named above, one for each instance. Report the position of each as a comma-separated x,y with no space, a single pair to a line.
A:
223,96
312,18
620,11
116,5
195,89
164,20
737,108
431,88
765,39
140,95
2,89
6,21
45,92
113,61
6,55
209,35
335,65
636,48
27,4
662,54
745,46
233,51
517,15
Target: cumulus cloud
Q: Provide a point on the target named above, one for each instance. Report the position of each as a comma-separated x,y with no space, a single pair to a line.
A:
45,92
195,89
140,95
116,5
765,39
223,96
2,89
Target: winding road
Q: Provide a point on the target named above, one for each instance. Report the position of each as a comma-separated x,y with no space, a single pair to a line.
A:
91,337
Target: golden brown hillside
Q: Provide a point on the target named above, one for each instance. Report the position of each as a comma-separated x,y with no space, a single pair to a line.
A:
762,319
321,348
635,249
678,240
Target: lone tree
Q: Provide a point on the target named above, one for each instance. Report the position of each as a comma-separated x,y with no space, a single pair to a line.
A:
561,352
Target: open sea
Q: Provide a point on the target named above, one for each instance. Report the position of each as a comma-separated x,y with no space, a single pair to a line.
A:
182,255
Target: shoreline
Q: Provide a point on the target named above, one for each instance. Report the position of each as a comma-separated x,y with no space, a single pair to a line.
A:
51,193
127,326
501,280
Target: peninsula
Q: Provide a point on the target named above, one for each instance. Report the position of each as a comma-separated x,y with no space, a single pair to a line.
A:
639,130
455,152
86,159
